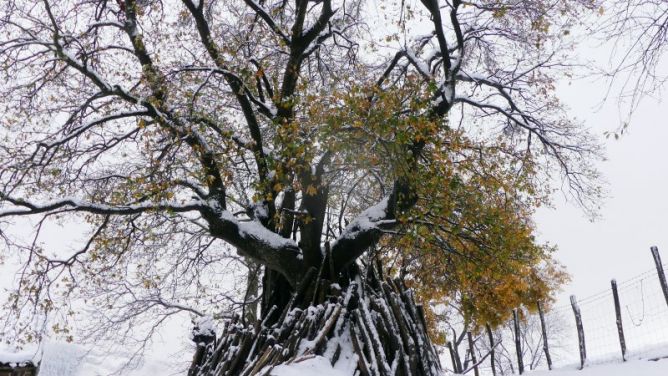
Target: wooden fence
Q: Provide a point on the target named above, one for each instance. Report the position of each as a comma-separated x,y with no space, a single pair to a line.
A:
595,332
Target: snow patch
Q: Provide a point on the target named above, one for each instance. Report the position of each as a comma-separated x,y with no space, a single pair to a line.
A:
66,359
255,230
630,368
419,64
204,326
366,220
17,358
316,365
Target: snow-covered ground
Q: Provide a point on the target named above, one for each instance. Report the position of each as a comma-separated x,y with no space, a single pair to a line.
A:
320,366
63,359
630,368
312,366
59,359
18,358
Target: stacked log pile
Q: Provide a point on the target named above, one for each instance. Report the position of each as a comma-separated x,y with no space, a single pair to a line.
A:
380,328
22,369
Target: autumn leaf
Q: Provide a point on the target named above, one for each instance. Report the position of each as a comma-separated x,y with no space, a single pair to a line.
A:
311,190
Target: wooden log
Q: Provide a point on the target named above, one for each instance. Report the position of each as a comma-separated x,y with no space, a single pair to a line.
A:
543,329
492,346
407,339
389,334
580,329
362,362
395,341
421,353
316,323
618,315
261,362
245,345
289,326
429,347
387,329
660,272
518,343
320,341
472,351
369,336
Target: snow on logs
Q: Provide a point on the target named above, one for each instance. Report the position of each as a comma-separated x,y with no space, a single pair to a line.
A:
379,331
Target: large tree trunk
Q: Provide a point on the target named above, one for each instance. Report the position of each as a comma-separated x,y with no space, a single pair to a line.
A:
369,325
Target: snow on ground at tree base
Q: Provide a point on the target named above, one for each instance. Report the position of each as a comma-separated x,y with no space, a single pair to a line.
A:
18,357
65,359
320,366
316,365
204,326
630,368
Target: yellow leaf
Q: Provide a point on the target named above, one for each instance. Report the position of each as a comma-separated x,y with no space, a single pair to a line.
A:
311,190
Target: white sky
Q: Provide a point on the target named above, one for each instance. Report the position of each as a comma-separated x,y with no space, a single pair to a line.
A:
633,216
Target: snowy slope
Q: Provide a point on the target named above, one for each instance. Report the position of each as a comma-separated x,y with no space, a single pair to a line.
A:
59,359
314,366
630,368
64,359
18,357
320,366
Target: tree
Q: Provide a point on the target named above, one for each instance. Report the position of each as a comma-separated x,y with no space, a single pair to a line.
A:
531,340
297,134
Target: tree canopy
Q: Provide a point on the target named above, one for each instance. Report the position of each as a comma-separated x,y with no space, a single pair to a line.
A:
298,133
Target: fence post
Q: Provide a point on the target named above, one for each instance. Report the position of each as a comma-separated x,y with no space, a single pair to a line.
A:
660,272
518,344
581,334
492,347
474,360
546,348
618,314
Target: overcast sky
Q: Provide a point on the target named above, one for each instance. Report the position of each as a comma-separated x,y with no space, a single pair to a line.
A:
633,216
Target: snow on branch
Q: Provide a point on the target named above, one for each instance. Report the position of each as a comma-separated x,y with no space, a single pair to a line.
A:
254,230
24,207
420,65
373,218
78,131
262,13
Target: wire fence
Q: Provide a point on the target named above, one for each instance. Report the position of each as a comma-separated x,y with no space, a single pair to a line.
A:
642,312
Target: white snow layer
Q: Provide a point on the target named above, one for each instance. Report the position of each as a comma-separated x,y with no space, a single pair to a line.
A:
205,326
316,365
62,359
65,359
18,357
369,218
630,368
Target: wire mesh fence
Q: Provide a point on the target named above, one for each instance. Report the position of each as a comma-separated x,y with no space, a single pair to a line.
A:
642,310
